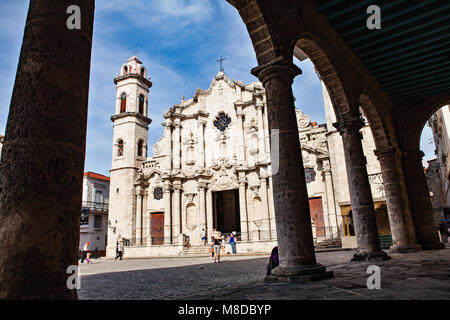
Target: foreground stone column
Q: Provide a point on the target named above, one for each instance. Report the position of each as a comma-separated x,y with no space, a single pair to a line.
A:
361,200
43,154
293,222
420,201
400,220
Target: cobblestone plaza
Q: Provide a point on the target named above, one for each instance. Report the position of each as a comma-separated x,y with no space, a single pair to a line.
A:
420,275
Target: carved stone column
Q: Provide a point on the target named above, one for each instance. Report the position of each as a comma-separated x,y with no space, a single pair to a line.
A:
43,154
177,146
138,215
169,126
295,239
202,205
176,214
419,199
209,213
167,214
333,223
261,140
265,208
243,209
360,193
400,220
241,142
201,143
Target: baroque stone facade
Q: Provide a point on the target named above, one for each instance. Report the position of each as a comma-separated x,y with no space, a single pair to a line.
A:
212,169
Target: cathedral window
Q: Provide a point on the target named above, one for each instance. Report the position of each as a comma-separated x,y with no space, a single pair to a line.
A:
222,122
158,193
310,175
141,104
140,147
143,72
123,102
120,148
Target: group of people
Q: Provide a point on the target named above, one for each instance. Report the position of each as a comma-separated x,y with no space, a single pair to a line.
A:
218,243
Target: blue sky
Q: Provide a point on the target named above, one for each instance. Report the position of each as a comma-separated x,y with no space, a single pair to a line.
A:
178,41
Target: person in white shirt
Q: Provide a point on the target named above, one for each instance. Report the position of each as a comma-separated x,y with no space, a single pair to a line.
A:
203,236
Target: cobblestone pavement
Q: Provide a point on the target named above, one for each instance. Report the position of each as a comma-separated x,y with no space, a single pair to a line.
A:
422,275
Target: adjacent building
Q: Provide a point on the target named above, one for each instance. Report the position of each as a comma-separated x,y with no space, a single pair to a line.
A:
438,171
94,212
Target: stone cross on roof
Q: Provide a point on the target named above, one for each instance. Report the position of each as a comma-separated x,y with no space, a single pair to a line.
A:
221,60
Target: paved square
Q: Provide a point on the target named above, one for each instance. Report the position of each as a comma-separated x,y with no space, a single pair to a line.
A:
421,275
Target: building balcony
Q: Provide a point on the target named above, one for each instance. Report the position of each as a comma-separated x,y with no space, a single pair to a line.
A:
96,206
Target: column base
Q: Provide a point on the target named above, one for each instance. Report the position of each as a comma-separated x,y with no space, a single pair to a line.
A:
370,256
304,273
433,246
404,249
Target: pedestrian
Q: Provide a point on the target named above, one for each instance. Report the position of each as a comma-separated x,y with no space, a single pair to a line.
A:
217,243
203,236
84,252
223,243
119,251
232,244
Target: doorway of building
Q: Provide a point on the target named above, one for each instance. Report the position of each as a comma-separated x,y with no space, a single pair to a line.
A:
316,210
226,211
157,228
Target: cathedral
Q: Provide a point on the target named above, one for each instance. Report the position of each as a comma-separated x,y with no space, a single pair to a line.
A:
211,170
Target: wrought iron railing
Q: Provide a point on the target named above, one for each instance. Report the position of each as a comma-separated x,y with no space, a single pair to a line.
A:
98,206
377,180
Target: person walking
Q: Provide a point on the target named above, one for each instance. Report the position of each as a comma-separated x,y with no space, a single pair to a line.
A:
232,244
223,243
85,252
119,251
203,236
217,243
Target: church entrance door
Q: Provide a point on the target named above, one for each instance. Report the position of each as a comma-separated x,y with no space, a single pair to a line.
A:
316,210
157,228
226,211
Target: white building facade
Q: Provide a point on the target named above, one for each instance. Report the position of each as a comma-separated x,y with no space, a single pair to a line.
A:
94,212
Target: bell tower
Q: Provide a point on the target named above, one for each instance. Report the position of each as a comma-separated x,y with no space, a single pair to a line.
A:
130,123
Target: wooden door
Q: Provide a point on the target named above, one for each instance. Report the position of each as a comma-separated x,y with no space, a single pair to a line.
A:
316,210
157,228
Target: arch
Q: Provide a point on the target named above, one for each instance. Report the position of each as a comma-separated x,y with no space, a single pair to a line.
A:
123,102
439,104
382,136
327,71
124,70
120,147
143,72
